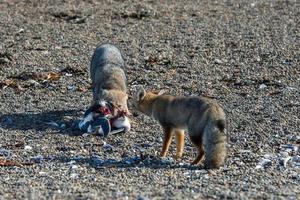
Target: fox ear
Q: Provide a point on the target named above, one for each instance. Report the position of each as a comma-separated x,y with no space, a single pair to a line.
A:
140,93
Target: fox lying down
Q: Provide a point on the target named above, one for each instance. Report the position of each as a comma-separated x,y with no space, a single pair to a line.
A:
202,117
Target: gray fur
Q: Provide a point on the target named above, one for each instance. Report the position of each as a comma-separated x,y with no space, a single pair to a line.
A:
108,76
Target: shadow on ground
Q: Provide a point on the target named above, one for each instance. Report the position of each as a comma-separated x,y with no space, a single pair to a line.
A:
142,161
62,121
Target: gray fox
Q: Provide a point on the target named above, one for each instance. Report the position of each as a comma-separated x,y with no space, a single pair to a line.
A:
107,71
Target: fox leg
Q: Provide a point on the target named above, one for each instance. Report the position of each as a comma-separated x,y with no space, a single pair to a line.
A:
167,141
179,134
197,141
200,155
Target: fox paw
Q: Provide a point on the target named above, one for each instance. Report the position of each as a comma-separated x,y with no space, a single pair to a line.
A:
177,157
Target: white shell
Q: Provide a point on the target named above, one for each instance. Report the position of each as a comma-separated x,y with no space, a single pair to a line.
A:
122,122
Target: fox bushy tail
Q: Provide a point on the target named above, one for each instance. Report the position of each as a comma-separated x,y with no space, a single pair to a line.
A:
214,142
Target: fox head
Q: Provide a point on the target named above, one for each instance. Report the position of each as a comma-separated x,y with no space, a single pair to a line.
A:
143,101
118,98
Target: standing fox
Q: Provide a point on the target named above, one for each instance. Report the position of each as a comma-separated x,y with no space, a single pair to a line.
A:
202,117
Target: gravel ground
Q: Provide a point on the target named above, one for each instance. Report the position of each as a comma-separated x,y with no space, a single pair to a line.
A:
245,54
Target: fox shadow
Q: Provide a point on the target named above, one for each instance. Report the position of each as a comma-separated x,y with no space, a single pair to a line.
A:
142,161
60,121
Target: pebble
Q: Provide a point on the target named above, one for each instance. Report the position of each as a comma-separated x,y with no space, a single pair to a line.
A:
201,171
296,176
245,151
296,159
71,88
206,176
21,30
74,167
28,148
33,82
284,154
74,175
72,162
291,88
285,161
37,159
218,61
68,74
107,146
42,173
262,86
86,134
295,138
4,60
290,148
268,156
263,163
5,153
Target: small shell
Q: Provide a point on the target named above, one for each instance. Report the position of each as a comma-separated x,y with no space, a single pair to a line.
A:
122,122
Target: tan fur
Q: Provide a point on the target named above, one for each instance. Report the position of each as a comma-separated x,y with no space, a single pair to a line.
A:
202,117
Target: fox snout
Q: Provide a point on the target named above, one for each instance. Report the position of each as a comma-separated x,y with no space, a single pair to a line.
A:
136,111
